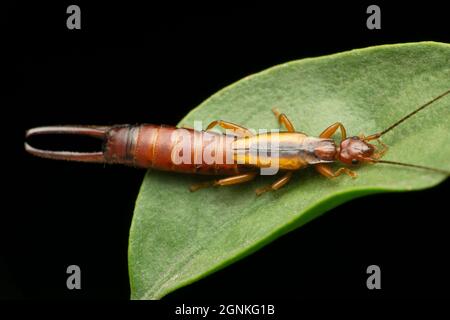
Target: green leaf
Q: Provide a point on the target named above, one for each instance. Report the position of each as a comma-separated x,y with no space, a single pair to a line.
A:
178,237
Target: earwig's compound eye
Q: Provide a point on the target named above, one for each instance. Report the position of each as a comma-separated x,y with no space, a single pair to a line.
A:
355,161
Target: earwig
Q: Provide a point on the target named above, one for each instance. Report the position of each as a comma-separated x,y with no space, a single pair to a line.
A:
154,146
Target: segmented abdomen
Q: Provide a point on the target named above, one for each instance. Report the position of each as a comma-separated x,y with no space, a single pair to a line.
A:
173,149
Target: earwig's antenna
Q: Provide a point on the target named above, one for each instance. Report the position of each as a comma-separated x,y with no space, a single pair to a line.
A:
413,166
379,134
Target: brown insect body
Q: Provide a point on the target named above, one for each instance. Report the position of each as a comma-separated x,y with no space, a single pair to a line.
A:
152,146
238,155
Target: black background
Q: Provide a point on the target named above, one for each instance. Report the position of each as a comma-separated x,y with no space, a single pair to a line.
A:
131,64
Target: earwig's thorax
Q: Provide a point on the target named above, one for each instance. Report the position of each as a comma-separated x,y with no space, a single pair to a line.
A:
325,150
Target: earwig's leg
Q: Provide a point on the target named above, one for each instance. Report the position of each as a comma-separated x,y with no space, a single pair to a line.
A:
283,119
241,131
326,171
276,185
328,132
224,182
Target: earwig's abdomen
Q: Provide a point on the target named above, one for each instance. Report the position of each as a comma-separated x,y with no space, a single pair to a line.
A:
172,149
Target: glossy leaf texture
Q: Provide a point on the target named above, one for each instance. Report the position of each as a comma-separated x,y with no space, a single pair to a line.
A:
178,237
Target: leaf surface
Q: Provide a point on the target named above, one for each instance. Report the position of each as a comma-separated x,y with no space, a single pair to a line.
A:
178,237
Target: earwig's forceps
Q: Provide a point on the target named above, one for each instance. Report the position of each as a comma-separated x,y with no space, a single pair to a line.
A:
99,132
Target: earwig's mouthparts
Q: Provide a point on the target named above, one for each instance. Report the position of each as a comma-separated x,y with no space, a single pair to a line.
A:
90,131
412,166
379,134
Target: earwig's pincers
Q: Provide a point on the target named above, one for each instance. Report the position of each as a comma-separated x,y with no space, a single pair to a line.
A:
99,132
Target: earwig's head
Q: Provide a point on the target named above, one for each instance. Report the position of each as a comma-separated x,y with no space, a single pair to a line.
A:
354,150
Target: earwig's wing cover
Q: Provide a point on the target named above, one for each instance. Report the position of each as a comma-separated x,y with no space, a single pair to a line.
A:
178,237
